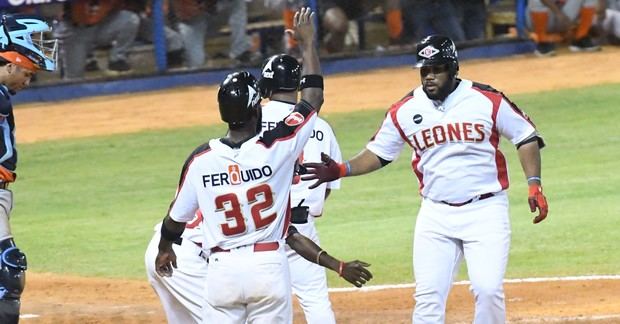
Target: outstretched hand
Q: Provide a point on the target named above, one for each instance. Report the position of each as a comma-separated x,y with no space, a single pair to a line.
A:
537,200
326,171
356,273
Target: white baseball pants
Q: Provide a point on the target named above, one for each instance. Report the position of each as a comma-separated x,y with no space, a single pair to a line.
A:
243,284
479,232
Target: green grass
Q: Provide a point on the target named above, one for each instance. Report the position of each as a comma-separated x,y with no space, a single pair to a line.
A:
88,206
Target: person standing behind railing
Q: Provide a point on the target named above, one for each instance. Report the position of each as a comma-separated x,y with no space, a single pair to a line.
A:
194,16
94,23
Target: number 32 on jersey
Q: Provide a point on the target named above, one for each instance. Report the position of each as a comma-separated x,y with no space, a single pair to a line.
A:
259,198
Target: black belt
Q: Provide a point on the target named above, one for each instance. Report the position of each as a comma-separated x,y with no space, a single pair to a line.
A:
481,197
4,184
299,214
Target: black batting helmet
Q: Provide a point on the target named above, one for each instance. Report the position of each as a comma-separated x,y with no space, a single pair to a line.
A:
238,98
437,50
279,73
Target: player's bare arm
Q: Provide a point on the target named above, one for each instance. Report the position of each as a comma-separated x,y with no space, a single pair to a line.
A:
166,260
354,272
305,33
330,170
529,156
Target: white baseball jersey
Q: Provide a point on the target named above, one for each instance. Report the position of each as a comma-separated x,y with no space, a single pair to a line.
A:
321,140
244,189
455,145
308,280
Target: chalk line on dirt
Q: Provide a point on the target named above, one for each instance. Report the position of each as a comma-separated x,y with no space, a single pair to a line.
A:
466,282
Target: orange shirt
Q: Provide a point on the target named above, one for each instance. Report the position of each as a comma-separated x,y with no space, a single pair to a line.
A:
90,12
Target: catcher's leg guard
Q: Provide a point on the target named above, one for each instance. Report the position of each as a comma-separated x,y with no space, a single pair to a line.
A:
12,280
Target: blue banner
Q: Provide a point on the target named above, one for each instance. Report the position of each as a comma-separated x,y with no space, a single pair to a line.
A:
19,3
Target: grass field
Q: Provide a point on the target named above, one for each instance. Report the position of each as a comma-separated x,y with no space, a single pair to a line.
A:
88,206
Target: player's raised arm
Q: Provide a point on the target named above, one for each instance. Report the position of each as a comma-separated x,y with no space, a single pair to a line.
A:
354,272
311,83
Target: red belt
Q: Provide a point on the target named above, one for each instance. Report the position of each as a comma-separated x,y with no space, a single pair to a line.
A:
481,197
258,247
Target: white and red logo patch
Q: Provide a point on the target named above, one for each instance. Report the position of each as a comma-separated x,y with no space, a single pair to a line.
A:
428,52
294,119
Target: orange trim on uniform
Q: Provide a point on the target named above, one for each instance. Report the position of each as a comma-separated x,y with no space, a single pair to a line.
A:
19,60
287,16
394,20
6,175
586,17
540,19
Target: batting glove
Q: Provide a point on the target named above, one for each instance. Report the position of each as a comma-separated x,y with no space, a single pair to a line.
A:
328,170
537,200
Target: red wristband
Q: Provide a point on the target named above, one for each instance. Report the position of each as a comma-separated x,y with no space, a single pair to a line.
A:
343,170
340,268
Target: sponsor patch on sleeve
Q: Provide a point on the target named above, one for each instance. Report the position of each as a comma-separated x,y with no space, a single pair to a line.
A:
294,119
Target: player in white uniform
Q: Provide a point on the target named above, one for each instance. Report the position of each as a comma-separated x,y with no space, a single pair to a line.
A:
453,126
241,183
181,294
279,82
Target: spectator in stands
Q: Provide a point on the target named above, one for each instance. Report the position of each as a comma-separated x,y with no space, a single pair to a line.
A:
608,21
336,14
553,20
174,42
193,16
473,17
432,16
95,23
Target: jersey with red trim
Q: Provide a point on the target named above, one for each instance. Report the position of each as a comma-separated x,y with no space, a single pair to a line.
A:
243,190
455,143
322,139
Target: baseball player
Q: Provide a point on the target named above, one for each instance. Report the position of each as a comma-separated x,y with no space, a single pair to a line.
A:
453,126
181,294
242,182
21,58
279,82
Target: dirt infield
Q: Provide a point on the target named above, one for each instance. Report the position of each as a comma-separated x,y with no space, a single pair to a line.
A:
52,298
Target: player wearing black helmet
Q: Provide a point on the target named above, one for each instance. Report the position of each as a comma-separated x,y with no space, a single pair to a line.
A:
436,54
242,182
280,73
279,82
454,127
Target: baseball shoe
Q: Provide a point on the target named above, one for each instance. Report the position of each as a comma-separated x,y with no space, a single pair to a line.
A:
175,59
584,44
118,67
545,49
